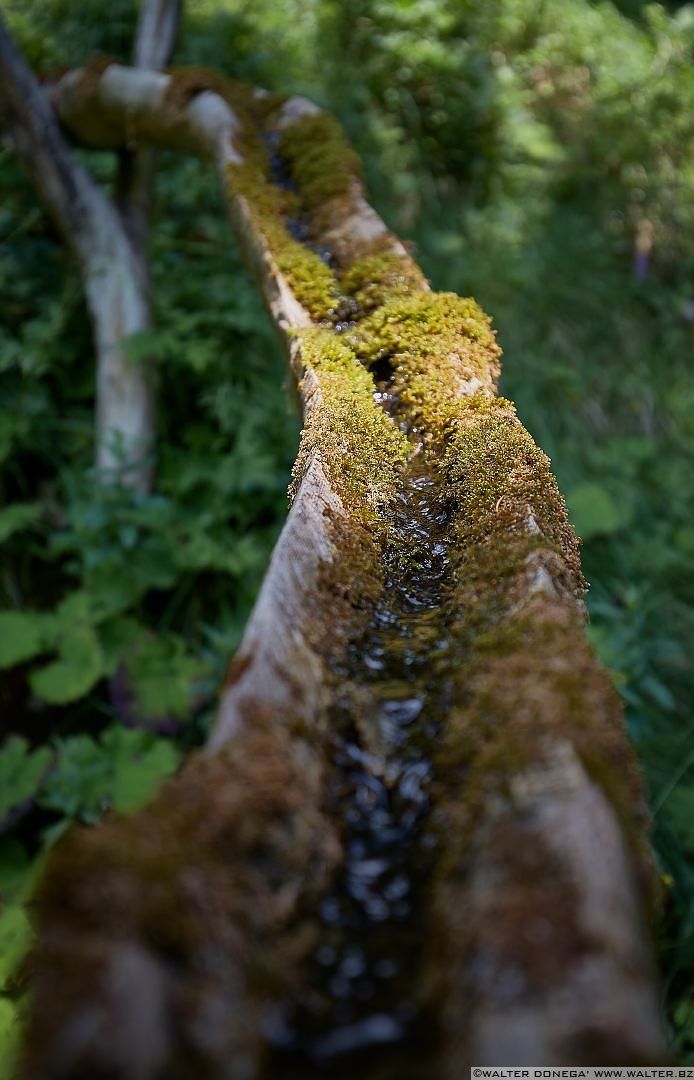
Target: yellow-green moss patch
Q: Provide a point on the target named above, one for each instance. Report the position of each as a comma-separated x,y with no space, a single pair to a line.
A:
441,346
196,895
362,450
377,278
502,482
310,279
322,162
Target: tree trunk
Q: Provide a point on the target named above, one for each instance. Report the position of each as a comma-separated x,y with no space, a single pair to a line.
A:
154,43
416,838
111,272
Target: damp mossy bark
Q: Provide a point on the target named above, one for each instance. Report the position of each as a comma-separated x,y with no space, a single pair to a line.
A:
165,939
527,706
527,684
364,453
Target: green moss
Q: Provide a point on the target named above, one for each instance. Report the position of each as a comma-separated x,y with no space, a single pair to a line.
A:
503,484
524,674
311,281
409,324
527,680
322,162
325,168
249,107
440,347
380,277
534,686
202,885
362,450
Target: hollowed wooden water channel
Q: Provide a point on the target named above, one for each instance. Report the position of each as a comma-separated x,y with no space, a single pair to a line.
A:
361,1014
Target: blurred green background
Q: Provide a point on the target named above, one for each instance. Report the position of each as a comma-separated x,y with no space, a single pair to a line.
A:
539,154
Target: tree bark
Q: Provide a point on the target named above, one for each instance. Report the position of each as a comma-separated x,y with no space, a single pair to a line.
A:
154,44
111,272
532,904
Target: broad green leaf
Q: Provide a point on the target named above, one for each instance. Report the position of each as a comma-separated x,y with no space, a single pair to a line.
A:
15,935
79,666
15,938
21,772
162,675
116,636
75,608
79,786
140,762
594,512
21,636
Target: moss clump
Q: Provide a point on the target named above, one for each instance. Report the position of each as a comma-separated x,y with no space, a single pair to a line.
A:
440,346
322,162
185,912
311,280
535,686
361,449
503,485
408,326
378,278
528,682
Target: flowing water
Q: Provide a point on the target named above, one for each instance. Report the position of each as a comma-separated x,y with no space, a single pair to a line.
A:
363,1013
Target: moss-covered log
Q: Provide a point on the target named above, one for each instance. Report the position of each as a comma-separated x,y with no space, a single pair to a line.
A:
532,900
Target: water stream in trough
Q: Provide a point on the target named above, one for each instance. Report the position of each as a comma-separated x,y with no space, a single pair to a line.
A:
361,1015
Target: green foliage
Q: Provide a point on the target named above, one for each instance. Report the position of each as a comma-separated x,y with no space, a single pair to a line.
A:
15,938
97,578
75,30
21,637
593,510
77,667
21,773
119,614
162,673
121,770
17,518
